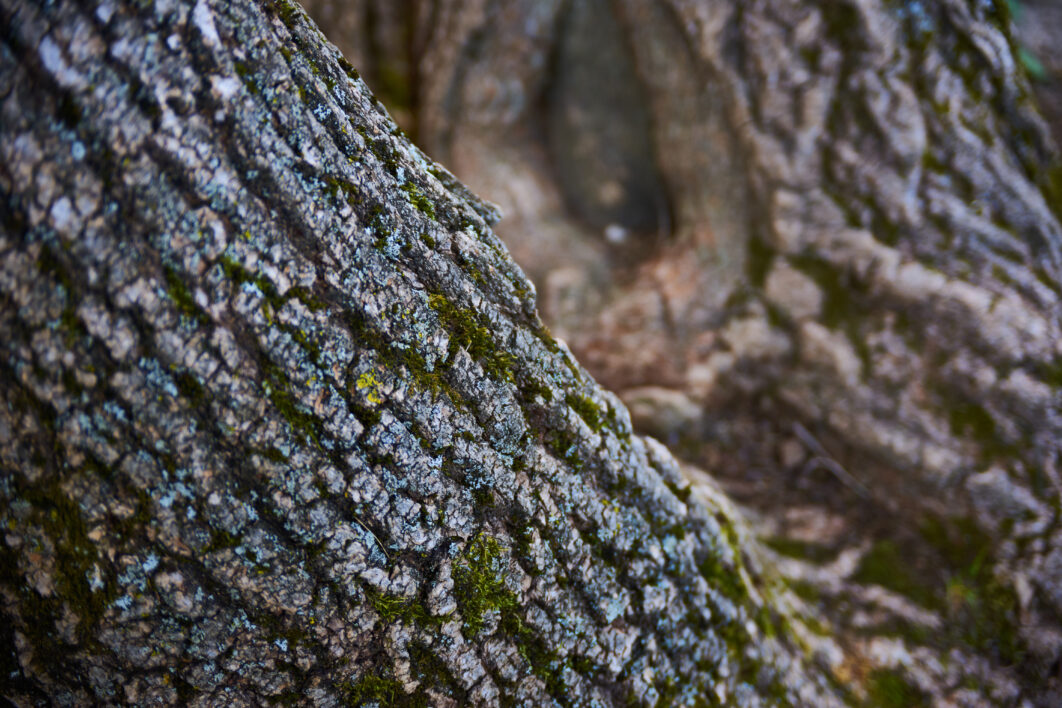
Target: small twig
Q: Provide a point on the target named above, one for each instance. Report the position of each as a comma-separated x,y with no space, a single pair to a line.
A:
378,542
823,460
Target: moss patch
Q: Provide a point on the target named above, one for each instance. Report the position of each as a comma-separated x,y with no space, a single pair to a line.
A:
842,300
888,689
594,415
468,330
983,609
408,610
371,687
419,200
885,565
813,552
182,298
479,585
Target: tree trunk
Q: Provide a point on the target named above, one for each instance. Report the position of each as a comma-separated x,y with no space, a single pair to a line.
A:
838,268
280,422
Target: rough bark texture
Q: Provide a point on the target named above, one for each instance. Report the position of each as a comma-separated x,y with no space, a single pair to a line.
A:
850,301
279,422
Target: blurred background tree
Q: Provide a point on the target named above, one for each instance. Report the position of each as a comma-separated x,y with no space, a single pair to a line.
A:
815,247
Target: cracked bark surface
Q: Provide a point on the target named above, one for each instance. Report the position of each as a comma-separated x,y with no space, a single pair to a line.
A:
860,250
279,421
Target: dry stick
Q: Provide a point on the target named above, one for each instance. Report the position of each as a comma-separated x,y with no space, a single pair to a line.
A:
378,541
822,459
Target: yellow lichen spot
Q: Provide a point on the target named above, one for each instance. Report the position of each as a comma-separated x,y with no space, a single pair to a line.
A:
368,381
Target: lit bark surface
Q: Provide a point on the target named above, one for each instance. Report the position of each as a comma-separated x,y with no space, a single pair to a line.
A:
857,275
279,422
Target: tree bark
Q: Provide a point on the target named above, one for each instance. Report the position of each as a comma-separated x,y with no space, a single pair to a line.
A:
858,255
280,422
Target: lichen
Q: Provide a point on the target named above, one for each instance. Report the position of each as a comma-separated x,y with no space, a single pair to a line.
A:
367,382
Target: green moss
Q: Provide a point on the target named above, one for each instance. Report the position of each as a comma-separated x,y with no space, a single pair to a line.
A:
432,672
758,263
842,298
805,591
373,687
468,331
307,298
589,411
419,200
1052,186
277,388
381,150
683,495
886,566
220,539
723,578
182,298
479,587
274,455
889,689
273,302
142,516
191,390
288,12
349,69
969,419
566,446
532,388
404,362
337,188
236,273
304,340
984,609
50,265
75,557
839,305
667,692
805,550
932,163
246,76
409,610
478,584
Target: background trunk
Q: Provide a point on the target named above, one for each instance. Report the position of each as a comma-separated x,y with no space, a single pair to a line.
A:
279,422
834,280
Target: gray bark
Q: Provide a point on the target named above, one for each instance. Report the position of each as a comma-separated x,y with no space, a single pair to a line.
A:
860,258
279,421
